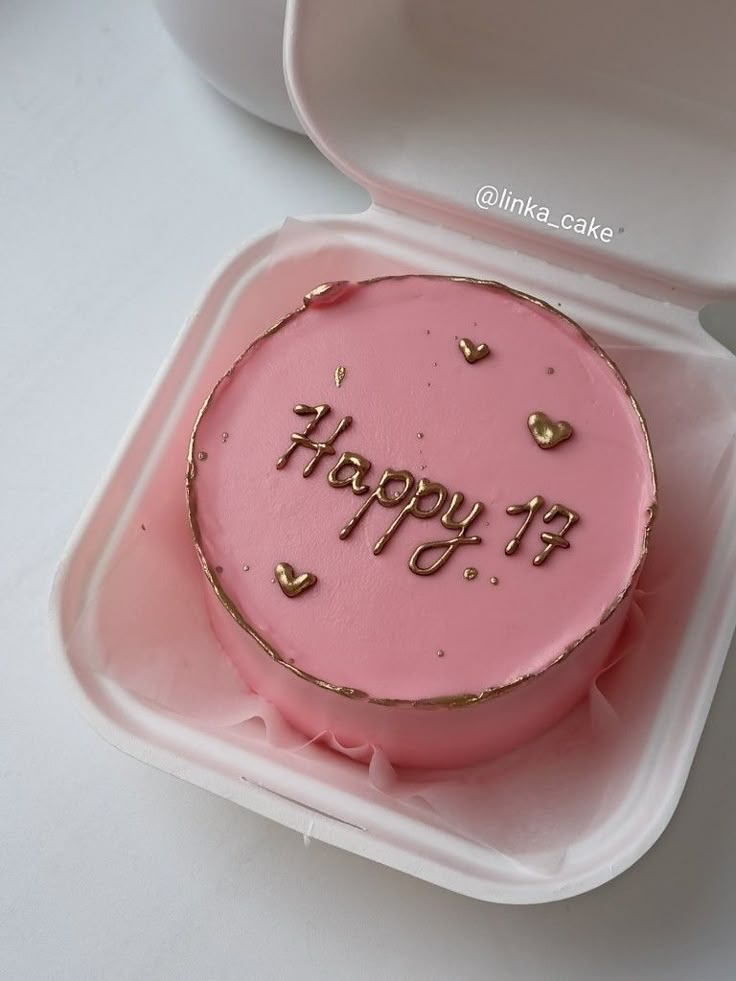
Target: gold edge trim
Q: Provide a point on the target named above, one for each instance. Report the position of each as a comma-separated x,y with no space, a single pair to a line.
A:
462,699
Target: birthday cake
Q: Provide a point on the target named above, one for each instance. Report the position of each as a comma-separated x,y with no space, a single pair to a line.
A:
422,504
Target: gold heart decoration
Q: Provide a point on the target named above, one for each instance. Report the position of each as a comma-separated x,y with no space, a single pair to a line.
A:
473,352
291,584
547,434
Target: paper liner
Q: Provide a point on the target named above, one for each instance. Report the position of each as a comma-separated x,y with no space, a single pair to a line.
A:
153,636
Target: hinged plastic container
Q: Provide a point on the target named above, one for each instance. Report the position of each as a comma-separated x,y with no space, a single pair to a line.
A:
593,117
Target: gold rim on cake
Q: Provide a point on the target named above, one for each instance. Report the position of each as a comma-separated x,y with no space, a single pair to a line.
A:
448,701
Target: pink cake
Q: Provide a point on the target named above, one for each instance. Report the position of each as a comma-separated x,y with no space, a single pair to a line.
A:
422,504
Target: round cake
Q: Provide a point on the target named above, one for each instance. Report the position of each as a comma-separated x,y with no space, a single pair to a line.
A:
421,504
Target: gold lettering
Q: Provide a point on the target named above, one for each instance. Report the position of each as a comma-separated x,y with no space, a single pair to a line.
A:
319,449
360,466
449,546
449,518
531,507
319,412
380,494
553,540
424,489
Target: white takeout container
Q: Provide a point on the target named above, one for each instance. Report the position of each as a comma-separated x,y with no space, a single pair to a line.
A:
596,111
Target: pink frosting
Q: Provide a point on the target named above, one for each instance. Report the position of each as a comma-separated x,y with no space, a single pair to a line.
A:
370,623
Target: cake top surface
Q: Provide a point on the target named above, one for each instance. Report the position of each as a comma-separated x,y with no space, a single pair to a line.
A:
480,502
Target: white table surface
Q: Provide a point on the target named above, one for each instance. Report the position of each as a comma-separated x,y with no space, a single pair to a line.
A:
123,181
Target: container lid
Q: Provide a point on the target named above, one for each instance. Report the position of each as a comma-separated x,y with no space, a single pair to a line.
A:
606,132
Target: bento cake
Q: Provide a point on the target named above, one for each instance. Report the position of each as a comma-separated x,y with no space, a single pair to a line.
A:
422,504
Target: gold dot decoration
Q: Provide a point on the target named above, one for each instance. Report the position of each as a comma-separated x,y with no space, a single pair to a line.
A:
494,580
470,573
340,373
201,456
